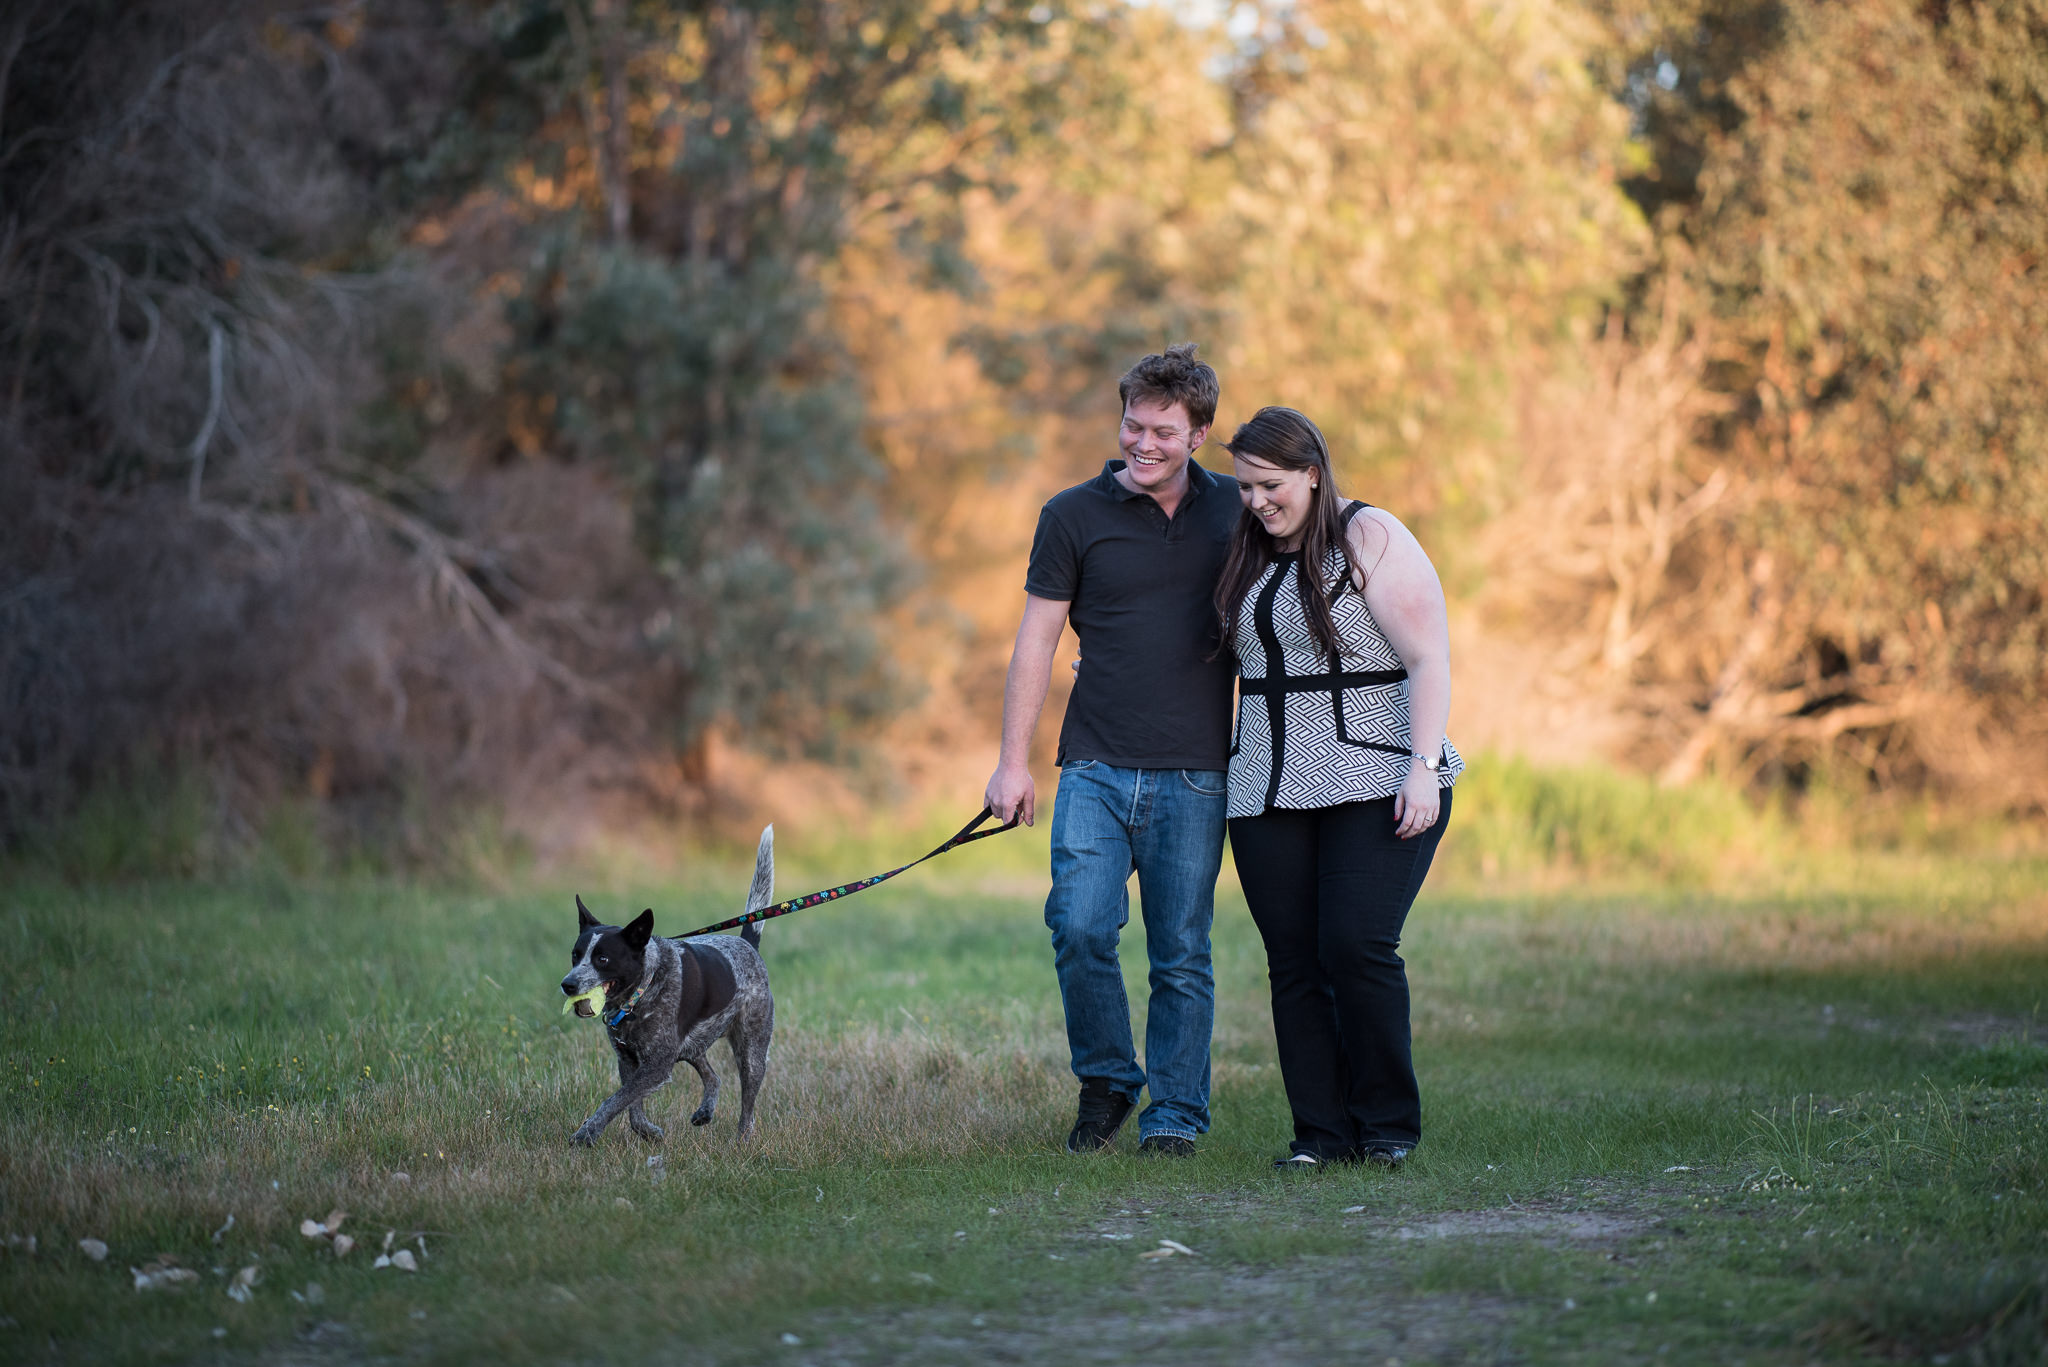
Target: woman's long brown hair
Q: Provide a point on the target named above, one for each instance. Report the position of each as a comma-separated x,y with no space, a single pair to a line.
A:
1287,440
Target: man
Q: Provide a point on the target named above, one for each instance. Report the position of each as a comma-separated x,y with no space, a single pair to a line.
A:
1131,558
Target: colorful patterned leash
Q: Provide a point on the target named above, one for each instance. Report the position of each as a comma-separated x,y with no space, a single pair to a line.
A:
968,835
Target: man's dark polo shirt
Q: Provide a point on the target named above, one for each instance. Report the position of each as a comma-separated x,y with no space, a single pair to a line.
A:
1141,590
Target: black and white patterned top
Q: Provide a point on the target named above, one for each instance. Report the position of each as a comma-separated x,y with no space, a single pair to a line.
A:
1307,737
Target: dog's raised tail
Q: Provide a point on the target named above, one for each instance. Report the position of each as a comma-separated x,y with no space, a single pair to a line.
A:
763,890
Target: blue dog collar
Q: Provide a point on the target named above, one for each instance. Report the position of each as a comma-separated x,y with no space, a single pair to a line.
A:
616,1018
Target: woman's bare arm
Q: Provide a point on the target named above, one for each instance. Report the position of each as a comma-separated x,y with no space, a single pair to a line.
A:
1407,600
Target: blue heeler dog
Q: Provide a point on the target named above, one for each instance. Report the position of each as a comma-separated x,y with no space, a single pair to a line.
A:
666,1001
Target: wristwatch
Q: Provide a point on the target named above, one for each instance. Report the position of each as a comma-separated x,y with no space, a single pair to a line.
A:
1429,762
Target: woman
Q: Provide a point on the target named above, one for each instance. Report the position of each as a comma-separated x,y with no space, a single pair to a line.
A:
1340,781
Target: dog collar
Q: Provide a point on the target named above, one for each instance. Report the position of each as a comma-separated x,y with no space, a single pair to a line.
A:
613,1020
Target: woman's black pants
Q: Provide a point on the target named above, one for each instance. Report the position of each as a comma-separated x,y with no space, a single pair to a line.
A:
1330,888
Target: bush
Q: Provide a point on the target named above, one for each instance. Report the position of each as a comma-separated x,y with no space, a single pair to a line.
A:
1515,819
149,822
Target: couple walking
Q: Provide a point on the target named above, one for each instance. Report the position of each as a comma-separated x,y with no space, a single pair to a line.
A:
1336,792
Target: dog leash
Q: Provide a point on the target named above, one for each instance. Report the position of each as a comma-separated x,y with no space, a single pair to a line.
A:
967,835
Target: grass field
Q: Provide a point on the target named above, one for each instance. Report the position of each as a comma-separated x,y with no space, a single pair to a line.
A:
1727,1128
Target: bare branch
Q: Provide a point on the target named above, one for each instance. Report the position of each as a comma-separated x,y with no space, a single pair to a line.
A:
444,556
1734,687
216,362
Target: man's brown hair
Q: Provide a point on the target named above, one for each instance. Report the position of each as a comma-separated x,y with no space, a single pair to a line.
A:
1176,377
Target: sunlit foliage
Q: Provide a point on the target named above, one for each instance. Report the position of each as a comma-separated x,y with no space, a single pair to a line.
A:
407,401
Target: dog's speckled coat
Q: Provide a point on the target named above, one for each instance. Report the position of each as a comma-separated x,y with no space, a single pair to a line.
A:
694,992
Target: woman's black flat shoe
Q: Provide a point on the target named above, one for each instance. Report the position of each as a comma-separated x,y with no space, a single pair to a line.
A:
1382,1156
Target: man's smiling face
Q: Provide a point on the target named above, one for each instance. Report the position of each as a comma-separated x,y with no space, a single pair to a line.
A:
1157,440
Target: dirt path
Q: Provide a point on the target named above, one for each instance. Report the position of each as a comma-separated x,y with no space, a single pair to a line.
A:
1189,1309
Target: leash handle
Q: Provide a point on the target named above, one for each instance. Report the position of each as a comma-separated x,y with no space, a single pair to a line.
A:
966,835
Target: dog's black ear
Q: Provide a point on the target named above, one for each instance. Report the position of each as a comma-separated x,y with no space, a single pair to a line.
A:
641,930
583,916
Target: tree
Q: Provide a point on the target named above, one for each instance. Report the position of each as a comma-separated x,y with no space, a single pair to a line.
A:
1849,290
735,150
1428,205
442,398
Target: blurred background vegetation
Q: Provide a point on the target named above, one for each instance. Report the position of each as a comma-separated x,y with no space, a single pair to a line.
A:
434,431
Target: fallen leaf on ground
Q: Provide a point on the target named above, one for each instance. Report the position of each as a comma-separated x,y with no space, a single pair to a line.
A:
22,1243
93,1249
1169,1248
342,1244
403,1261
220,1233
328,1228
242,1287
162,1274
1354,1210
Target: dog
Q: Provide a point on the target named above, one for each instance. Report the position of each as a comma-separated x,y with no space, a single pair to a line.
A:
666,1001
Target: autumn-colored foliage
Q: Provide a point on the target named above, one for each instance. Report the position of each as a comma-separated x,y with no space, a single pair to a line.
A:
403,403
1808,494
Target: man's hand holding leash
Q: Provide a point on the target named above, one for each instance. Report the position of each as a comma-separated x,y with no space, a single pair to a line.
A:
1012,795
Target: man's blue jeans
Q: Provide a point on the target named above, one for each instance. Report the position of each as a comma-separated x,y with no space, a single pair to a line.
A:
1167,824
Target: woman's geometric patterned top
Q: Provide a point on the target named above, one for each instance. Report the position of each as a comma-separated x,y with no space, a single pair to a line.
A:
1307,736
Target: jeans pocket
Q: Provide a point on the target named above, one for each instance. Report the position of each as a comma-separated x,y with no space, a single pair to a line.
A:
1207,782
1075,766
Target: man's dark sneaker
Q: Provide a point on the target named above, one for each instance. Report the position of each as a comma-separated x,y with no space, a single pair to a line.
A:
1382,1155
1297,1162
1167,1146
1100,1116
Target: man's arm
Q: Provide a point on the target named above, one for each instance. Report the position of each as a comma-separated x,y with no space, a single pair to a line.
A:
1011,793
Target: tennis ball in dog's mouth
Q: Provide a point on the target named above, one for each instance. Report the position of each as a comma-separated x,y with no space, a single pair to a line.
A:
587,1003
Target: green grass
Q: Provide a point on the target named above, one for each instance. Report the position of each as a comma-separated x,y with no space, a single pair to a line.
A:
1761,1128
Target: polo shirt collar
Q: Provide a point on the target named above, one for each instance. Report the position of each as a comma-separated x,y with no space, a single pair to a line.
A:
1198,480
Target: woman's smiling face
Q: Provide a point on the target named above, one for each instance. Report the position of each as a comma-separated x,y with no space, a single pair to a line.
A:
1279,499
